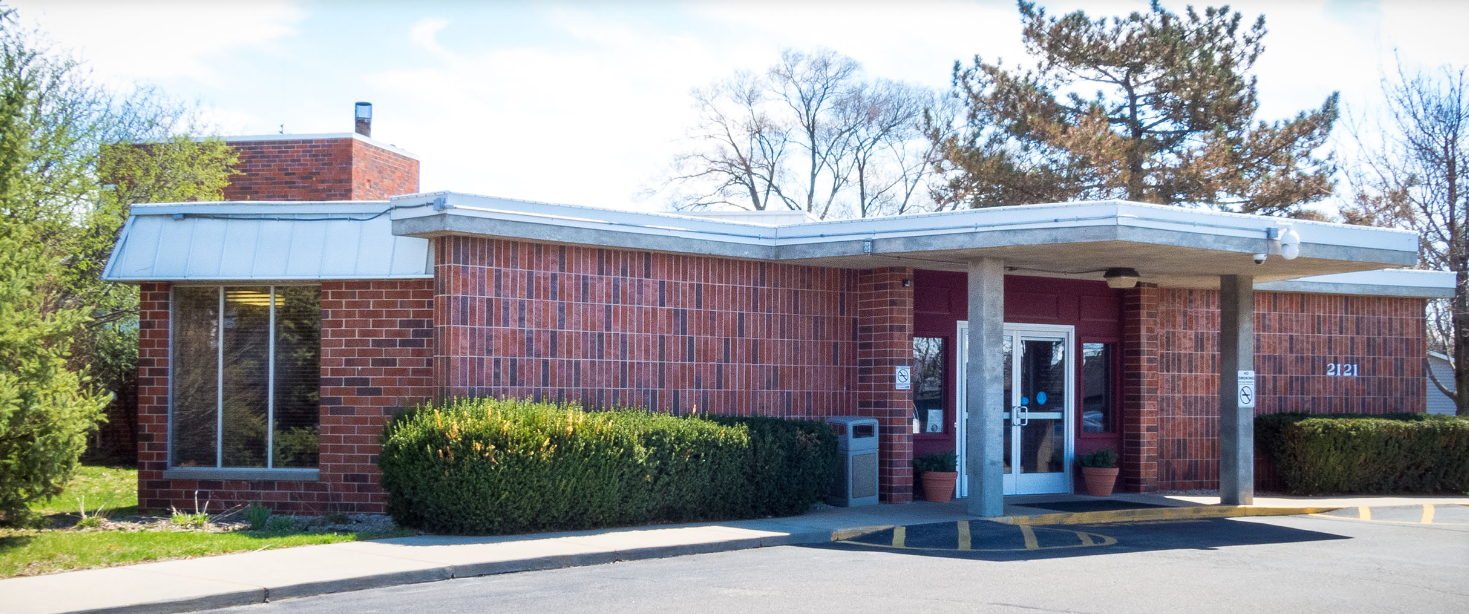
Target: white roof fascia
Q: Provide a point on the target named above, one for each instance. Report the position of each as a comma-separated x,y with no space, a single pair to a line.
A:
1415,283
1056,216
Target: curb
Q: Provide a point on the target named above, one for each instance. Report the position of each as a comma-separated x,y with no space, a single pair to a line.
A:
259,595
256,595
1158,513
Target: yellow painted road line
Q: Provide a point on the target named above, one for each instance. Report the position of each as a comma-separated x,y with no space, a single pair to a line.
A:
1159,513
900,535
1364,512
1427,514
1029,533
964,543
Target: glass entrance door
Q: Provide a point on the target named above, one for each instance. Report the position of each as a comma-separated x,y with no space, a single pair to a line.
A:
1039,392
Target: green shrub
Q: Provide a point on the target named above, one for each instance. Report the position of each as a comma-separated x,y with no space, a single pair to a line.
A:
509,466
280,524
938,461
256,516
1368,454
1105,458
790,465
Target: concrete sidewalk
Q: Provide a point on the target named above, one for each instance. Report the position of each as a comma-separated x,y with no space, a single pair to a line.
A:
257,577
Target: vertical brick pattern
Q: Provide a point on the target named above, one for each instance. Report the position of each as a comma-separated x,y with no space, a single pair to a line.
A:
606,327
320,169
1296,336
1140,382
885,341
376,358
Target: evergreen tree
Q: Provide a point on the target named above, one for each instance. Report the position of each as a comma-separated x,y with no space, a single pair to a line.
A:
71,163
1171,120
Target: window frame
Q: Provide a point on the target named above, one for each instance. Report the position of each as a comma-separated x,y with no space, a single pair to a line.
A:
219,471
946,343
1114,389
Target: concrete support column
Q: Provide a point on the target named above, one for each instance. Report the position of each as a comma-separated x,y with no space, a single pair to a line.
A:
1236,424
985,388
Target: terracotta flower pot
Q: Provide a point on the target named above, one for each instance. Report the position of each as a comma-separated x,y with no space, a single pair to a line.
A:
938,486
1099,480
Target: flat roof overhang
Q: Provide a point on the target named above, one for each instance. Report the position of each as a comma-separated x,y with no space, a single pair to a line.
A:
1170,246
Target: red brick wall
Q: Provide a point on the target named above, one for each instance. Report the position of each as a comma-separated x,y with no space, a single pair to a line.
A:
377,349
378,173
885,341
1296,337
320,169
1140,380
611,327
376,358
153,308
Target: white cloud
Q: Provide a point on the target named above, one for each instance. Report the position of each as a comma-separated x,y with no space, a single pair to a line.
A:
141,41
585,123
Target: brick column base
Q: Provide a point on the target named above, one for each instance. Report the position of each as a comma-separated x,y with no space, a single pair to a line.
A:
884,342
1140,354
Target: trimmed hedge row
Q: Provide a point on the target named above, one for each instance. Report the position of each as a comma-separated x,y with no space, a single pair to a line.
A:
1369,454
486,466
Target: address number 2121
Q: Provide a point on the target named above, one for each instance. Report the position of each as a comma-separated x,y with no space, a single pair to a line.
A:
1341,369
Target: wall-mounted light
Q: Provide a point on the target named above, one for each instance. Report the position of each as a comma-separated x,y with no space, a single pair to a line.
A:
907,282
1121,278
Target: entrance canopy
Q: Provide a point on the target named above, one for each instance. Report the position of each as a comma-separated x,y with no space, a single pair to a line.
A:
1170,246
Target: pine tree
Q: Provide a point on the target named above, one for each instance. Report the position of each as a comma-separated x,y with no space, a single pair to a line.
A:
1171,119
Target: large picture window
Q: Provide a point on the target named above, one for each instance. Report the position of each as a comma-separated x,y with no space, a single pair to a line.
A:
246,376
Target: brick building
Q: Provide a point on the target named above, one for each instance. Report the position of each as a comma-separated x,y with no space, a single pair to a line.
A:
280,329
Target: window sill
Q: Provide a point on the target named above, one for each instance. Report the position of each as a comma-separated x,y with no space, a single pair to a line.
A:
212,473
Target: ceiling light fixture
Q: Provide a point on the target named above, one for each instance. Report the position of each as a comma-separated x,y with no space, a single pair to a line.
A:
1121,278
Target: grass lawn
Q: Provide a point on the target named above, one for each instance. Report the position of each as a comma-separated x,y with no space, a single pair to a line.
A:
115,488
31,552
25,552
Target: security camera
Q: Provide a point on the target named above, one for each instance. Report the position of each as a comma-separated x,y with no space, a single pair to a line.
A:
1260,258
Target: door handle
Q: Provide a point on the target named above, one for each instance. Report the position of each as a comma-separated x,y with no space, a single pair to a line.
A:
1020,415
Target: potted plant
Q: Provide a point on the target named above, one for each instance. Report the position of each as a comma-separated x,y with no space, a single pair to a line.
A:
1100,471
938,473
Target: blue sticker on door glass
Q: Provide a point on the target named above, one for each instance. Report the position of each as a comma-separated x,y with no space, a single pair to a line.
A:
1025,400
1040,398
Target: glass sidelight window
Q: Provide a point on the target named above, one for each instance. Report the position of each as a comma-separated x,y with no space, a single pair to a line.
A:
928,383
1096,387
246,376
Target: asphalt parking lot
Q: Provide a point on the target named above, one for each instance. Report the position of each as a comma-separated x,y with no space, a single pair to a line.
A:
1412,559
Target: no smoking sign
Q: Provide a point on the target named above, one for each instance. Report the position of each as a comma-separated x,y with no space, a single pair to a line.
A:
1247,389
904,378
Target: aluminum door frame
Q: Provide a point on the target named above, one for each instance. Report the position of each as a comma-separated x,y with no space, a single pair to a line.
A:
1014,331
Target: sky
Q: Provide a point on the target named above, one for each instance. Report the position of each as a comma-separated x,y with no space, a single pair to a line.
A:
587,102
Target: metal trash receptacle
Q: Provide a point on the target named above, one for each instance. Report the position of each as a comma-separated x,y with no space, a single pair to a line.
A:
855,482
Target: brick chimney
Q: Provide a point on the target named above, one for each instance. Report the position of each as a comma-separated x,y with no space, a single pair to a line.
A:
348,166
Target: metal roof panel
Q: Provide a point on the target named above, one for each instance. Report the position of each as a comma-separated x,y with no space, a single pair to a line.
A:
250,241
